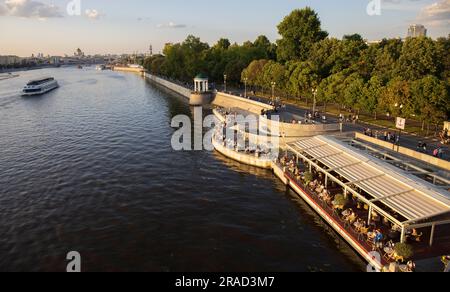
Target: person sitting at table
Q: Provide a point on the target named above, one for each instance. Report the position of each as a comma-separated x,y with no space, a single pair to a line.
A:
325,193
320,189
347,213
411,267
371,236
396,228
328,198
352,218
389,249
375,217
313,184
415,234
359,224
417,237
379,239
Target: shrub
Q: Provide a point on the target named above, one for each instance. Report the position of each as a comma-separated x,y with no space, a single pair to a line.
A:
308,177
340,200
404,250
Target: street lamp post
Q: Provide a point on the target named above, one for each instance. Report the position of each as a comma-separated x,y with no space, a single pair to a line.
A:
314,91
225,82
273,90
245,83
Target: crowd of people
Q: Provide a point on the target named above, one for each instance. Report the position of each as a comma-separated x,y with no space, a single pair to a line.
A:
348,119
387,136
238,142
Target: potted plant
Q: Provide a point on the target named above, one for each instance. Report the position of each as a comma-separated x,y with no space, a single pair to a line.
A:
404,251
340,200
308,177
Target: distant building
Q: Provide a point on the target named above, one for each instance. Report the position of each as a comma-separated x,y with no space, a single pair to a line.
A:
417,30
376,42
9,60
55,60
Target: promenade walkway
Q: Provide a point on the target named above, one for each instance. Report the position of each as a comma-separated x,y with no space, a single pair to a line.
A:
406,140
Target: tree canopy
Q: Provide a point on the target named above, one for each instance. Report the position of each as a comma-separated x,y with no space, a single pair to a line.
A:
299,31
409,78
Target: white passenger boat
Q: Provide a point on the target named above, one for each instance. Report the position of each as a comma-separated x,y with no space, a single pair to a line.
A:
40,86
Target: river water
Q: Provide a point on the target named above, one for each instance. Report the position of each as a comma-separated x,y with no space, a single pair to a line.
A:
89,168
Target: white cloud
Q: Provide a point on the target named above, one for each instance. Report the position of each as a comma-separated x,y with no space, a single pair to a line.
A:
401,5
30,9
436,14
3,10
171,25
92,14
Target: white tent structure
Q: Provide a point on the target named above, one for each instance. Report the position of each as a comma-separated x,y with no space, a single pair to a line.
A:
390,190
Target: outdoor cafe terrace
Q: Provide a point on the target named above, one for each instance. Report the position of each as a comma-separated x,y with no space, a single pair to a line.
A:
380,198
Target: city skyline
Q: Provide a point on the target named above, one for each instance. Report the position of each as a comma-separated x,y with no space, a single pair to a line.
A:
112,27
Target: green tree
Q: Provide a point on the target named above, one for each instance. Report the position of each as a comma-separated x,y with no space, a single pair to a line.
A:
430,99
323,56
353,94
372,92
154,64
348,53
331,89
443,57
396,99
266,48
299,31
419,58
223,44
301,79
274,72
254,72
389,51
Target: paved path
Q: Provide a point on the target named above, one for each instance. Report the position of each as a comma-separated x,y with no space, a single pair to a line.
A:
406,140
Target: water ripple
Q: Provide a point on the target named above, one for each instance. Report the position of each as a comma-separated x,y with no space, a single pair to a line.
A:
89,167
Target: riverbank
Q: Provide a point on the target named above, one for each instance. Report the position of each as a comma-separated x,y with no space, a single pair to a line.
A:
8,76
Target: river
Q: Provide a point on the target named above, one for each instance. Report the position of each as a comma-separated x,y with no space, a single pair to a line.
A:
89,168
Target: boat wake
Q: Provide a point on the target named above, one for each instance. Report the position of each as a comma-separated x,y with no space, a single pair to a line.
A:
7,99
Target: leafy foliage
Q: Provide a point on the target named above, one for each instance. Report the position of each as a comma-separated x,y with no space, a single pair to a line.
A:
299,31
374,78
404,250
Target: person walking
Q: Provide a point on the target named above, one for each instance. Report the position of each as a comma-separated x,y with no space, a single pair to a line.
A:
440,152
436,152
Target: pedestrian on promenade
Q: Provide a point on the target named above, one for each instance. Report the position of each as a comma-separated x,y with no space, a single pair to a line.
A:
440,152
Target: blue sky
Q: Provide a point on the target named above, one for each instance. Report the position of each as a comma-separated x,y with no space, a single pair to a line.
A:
116,26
